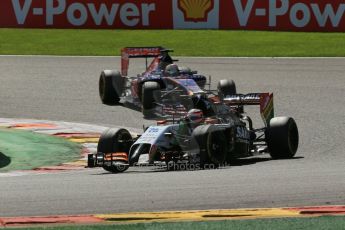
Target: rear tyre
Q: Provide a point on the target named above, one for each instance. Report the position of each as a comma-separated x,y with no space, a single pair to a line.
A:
282,137
110,87
149,89
115,140
226,87
212,145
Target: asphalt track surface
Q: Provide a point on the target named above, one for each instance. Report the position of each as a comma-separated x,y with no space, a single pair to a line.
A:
65,88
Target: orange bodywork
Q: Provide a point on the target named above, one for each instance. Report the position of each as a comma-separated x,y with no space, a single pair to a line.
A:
116,157
162,122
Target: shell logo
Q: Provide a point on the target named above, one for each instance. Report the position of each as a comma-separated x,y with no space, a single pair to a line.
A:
196,10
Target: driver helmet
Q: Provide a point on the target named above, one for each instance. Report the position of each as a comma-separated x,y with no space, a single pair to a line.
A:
195,116
172,70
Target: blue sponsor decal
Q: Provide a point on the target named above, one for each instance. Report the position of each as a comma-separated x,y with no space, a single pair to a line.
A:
153,130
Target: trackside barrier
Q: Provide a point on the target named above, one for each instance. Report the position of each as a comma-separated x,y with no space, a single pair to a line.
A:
284,15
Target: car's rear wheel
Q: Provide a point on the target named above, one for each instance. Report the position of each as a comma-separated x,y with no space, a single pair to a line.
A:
149,89
112,141
282,137
226,87
110,87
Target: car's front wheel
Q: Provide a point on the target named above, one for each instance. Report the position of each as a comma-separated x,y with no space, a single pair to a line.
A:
149,89
212,145
112,141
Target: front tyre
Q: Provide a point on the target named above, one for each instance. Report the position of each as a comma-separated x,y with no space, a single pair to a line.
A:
212,145
217,146
149,89
115,140
282,137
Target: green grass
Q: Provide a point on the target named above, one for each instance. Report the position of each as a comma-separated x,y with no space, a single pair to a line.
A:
324,223
20,150
184,42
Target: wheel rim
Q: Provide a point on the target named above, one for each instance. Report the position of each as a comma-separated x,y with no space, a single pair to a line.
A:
121,168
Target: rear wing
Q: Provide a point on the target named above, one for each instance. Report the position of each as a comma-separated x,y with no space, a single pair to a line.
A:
138,52
265,100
